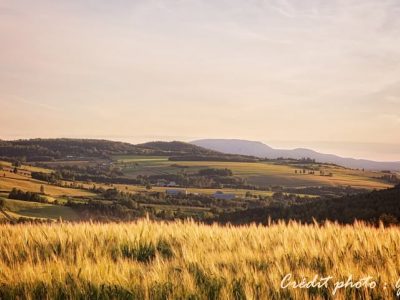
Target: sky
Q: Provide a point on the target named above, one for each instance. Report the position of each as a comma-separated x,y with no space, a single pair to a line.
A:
309,73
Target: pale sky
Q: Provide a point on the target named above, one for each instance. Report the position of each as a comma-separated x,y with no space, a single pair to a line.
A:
305,72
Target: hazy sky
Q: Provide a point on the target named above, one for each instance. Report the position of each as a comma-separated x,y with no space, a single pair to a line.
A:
295,72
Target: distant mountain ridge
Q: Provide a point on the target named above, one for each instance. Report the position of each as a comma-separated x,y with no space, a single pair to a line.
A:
258,149
68,148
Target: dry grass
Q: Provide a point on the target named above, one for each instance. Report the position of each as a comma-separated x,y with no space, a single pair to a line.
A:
26,167
185,260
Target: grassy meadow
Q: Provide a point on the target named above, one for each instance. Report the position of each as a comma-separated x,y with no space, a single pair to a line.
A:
187,260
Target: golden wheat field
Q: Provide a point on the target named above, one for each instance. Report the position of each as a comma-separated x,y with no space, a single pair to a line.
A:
186,260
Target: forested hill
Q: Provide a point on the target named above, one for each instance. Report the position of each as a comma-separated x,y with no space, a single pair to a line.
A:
383,205
179,151
48,149
178,147
53,149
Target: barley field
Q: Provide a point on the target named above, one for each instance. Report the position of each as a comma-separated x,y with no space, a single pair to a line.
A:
187,260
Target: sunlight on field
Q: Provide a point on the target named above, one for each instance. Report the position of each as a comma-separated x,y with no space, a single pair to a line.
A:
18,208
11,180
237,192
26,167
148,260
140,158
259,173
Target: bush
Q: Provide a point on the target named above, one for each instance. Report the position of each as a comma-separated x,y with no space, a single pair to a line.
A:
26,196
215,172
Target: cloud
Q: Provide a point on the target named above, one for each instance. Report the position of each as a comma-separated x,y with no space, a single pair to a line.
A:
243,67
29,104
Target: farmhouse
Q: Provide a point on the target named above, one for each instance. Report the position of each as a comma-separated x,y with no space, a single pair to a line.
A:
222,196
175,192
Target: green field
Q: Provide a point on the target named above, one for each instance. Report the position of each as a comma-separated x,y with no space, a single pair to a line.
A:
206,191
257,173
150,165
139,158
19,208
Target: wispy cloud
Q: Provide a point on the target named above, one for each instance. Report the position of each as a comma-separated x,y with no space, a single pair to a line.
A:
29,104
265,69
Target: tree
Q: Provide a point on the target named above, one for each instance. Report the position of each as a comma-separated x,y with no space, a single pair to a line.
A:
16,163
42,189
2,204
278,196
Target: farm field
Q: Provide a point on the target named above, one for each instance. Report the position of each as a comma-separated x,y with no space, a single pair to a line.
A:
238,192
187,260
259,173
80,192
206,191
25,167
8,181
18,208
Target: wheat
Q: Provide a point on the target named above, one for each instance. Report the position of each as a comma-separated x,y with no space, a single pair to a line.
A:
187,260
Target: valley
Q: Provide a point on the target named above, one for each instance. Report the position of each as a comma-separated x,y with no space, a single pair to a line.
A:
117,181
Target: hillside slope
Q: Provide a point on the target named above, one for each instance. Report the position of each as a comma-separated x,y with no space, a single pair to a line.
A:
52,149
48,149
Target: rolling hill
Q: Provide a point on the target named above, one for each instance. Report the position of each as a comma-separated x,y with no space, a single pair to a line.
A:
177,147
258,149
73,149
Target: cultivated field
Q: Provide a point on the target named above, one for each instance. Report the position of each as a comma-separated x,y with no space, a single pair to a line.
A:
25,167
258,173
185,260
8,181
27,209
